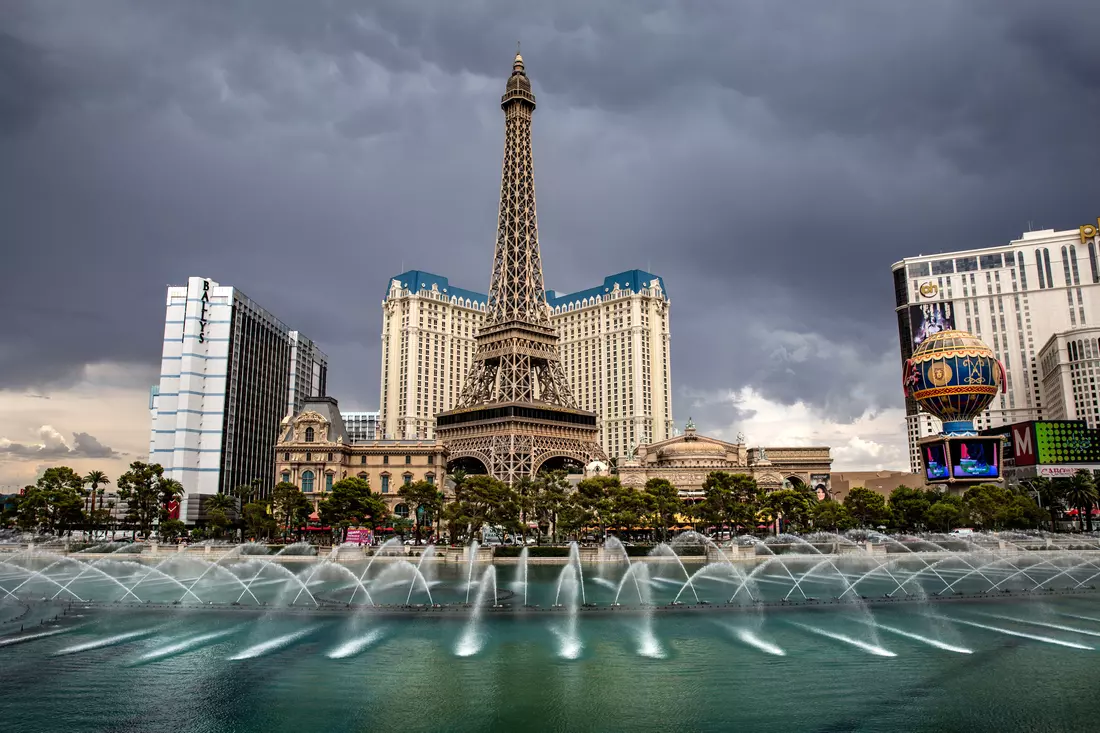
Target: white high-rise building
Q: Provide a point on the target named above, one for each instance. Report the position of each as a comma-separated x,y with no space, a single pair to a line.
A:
1016,298
614,342
362,427
228,370
1069,370
308,372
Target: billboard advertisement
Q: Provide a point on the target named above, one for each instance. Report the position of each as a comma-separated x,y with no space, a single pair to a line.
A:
1051,442
975,458
929,318
934,456
821,484
1066,441
359,536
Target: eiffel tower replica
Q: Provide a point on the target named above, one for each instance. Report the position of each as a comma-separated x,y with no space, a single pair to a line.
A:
516,411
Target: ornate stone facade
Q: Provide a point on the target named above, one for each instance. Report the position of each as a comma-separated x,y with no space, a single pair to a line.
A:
685,461
313,452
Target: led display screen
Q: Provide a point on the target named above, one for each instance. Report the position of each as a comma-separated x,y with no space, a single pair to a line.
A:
935,461
929,318
1066,442
975,458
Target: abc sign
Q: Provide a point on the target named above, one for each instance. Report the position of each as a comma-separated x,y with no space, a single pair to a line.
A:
1088,231
929,289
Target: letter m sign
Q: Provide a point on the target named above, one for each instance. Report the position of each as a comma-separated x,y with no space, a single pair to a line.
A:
1023,444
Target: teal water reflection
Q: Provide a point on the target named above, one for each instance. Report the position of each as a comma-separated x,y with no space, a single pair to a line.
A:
1009,665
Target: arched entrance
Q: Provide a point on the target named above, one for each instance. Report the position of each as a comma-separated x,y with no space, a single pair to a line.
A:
560,463
470,465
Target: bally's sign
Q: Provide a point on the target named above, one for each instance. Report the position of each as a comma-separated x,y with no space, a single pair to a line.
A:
1088,231
205,304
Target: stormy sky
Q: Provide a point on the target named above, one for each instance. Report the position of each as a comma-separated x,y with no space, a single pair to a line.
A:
769,159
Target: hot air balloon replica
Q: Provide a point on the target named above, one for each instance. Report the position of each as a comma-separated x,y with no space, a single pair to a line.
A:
953,375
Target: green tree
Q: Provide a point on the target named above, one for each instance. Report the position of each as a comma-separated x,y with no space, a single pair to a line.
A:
829,514
481,500
171,529
54,503
218,518
909,507
257,519
551,495
1051,495
628,508
665,503
793,506
351,502
424,500
993,506
593,503
169,491
1080,493
945,514
866,507
730,498
289,507
525,489
94,479
140,488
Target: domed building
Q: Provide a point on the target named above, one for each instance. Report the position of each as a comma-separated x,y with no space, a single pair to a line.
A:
685,460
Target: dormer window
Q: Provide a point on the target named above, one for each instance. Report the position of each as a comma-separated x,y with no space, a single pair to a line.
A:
309,435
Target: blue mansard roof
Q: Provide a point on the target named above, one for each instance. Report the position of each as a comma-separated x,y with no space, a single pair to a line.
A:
634,280
417,280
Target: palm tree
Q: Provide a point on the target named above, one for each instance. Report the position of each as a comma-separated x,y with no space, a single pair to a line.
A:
95,479
1050,495
1081,494
217,511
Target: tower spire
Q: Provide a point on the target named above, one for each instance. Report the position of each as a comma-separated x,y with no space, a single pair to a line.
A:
515,397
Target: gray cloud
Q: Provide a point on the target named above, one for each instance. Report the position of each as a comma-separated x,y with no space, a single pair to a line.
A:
53,445
770,161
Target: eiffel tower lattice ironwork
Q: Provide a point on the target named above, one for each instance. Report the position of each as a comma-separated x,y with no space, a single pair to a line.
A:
516,410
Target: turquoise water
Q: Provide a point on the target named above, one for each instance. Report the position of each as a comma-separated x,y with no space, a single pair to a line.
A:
1008,664
224,671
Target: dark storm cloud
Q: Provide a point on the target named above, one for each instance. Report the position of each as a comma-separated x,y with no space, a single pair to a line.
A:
769,160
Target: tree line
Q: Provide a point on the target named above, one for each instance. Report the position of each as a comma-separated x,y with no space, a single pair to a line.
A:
546,507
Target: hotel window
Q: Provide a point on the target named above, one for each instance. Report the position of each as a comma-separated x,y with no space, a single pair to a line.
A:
431,460
363,460
1039,267
330,457
309,435
284,477
328,482
430,478
307,482
385,483
286,456
309,456
408,460
408,478
385,460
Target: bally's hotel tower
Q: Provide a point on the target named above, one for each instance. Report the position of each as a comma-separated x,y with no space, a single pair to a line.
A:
230,371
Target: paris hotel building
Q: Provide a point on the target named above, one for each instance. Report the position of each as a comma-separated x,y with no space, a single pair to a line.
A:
613,341
1035,301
